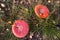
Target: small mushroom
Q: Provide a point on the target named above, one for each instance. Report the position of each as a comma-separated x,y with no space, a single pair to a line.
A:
41,11
20,28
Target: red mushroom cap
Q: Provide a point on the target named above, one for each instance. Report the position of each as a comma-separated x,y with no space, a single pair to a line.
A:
41,11
20,28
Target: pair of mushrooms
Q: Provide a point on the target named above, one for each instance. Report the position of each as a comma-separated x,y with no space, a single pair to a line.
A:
20,28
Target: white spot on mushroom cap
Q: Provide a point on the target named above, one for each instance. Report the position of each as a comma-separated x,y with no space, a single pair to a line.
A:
42,10
20,28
